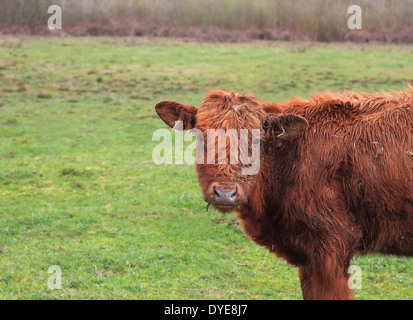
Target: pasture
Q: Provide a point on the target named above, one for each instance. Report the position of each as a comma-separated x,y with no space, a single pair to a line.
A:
79,189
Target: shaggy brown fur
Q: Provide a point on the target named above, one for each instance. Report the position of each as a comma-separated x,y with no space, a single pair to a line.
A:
336,178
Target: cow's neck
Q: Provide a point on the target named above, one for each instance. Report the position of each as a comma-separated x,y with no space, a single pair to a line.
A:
258,198
265,198
262,217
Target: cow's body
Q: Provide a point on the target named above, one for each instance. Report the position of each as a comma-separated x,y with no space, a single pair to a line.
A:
344,186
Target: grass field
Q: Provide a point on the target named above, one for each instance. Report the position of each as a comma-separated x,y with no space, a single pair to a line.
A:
78,187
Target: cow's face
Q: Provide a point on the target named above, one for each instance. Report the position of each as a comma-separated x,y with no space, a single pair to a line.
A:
228,170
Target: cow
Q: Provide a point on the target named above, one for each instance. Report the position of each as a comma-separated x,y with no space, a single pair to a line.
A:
335,177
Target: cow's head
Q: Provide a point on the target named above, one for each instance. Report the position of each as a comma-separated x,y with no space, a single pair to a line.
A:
227,182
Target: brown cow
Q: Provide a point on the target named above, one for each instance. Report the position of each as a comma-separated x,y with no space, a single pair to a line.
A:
335,178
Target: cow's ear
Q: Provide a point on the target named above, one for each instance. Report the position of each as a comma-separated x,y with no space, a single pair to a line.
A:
171,112
284,126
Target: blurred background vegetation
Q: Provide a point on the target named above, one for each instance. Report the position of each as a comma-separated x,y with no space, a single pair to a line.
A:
388,21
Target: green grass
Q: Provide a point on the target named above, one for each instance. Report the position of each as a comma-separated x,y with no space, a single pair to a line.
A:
78,187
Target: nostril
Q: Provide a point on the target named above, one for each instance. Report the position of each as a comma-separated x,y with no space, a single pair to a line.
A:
234,193
216,193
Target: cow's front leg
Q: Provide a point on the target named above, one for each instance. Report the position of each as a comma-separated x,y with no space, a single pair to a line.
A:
325,279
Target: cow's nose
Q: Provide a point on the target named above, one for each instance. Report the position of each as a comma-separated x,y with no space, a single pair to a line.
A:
228,196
